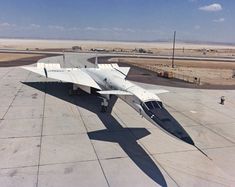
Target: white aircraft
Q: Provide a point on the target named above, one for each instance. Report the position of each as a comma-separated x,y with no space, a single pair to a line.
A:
110,79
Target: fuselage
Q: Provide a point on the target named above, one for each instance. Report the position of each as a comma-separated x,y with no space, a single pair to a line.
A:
143,101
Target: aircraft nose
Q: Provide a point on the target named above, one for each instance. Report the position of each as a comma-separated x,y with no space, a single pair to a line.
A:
188,140
166,121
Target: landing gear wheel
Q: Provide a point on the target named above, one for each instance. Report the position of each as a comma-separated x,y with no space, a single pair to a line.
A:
104,105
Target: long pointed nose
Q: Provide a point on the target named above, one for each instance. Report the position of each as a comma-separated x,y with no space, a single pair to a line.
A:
166,121
161,117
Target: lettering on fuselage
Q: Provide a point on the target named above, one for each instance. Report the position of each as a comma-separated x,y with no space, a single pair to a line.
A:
55,71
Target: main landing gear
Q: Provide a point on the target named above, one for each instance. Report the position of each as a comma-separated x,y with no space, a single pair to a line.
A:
108,103
104,105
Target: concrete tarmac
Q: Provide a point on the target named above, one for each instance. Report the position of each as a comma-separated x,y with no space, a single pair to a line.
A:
48,138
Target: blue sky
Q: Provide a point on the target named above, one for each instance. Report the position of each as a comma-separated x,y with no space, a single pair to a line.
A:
135,20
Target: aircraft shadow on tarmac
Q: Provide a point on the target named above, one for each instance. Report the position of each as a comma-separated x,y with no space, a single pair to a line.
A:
114,132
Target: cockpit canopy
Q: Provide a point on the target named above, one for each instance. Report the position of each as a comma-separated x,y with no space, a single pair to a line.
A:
151,105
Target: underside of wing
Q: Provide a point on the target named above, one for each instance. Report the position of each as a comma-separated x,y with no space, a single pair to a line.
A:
75,75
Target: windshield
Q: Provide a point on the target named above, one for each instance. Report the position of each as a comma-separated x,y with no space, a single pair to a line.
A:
157,113
151,105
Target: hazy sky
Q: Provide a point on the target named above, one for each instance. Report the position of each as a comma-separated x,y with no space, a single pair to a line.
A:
203,20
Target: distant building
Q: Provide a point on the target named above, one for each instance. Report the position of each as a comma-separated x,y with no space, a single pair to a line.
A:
76,48
141,50
98,49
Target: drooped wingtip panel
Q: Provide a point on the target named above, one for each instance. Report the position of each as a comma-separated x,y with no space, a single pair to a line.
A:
39,71
76,76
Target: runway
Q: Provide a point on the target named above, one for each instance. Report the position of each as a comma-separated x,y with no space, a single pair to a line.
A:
48,138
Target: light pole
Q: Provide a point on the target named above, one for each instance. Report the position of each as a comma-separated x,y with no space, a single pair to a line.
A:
173,54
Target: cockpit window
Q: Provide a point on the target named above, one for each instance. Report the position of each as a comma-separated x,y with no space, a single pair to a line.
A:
157,104
149,105
154,105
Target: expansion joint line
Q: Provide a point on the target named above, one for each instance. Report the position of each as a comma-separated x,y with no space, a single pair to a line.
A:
5,74
207,126
40,144
102,169
14,98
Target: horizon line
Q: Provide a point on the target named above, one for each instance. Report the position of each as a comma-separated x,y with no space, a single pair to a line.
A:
131,41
